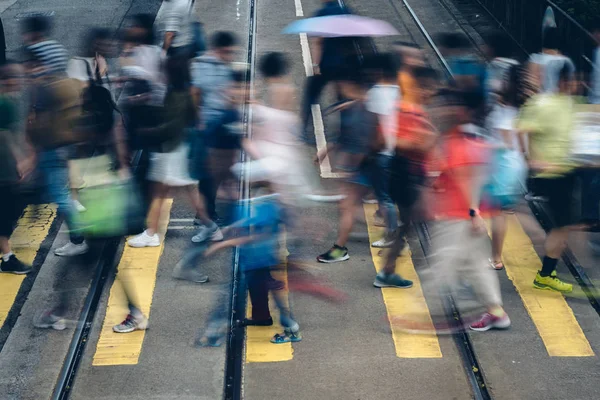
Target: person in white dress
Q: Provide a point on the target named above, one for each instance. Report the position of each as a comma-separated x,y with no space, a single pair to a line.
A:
169,166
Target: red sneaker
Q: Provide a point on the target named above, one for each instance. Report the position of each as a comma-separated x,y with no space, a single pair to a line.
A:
489,321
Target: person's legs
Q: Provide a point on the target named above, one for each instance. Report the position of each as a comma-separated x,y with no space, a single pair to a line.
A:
135,320
348,208
259,296
10,210
150,238
291,328
475,250
380,177
209,228
53,166
198,203
558,192
499,228
220,162
160,194
312,92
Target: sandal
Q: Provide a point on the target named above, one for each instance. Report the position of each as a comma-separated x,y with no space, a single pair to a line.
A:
496,265
286,337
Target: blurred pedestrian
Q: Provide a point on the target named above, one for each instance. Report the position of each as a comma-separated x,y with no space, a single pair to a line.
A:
55,111
357,142
459,240
382,100
177,27
215,149
548,119
169,161
15,165
544,68
415,139
509,168
35,32
329,56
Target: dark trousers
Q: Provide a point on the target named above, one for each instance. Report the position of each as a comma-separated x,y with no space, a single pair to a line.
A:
260,282
312,92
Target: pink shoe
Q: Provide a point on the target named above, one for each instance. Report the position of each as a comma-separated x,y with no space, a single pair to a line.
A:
489,321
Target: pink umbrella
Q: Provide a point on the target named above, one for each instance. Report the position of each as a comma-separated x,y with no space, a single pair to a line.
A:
341,26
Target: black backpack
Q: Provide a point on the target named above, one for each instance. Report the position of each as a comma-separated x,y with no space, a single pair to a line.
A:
98,105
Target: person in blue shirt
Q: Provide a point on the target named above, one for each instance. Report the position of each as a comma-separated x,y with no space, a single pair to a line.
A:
259,254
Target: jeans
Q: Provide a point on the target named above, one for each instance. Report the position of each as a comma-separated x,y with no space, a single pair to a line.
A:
54,172
380,176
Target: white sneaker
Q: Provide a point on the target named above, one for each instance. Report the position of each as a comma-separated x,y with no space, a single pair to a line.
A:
217,236
144,240
78,206
131,323
71,249
205,232
383,243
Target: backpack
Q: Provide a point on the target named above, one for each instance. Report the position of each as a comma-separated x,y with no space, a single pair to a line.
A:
55,115
98,105
199,39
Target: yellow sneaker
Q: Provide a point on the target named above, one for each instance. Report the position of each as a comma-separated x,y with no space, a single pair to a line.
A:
551,283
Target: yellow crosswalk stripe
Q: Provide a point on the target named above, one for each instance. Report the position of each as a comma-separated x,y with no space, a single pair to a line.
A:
31,230
138,267
552,316
403,302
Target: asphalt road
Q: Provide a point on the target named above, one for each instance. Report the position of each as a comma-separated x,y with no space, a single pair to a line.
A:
349,350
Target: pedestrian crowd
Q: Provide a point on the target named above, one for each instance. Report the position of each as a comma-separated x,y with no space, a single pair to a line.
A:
110,135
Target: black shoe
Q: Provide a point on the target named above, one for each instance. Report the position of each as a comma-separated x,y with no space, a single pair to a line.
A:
14,266
257,322
335,254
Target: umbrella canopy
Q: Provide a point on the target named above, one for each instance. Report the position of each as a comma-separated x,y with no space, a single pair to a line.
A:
341,26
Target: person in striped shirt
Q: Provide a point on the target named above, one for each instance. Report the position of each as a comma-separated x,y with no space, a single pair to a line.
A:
35,32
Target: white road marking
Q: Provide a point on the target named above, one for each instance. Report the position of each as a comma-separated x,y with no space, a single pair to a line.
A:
316,111
316,108
306,57
299,11
322,142
181,219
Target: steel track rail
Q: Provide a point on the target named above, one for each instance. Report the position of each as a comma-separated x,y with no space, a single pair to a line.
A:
234,362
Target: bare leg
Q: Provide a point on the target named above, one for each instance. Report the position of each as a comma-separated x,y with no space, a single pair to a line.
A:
499,228
199,204
347,209
160,194
556,242
4,245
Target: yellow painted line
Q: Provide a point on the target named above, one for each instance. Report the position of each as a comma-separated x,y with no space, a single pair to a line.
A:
552,316
138,267
258,338
403,302
31,230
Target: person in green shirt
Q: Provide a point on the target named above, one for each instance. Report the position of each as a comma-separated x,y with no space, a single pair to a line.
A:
548,119
13,167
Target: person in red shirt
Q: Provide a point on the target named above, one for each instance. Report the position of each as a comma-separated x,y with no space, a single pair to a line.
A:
458,233
415,138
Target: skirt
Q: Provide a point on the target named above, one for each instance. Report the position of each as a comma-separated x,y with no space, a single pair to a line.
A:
171,169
